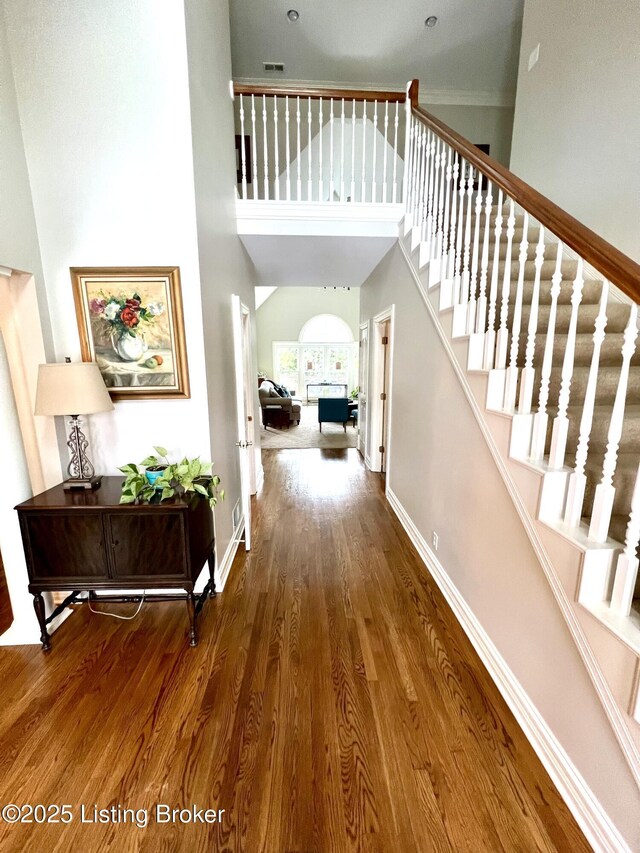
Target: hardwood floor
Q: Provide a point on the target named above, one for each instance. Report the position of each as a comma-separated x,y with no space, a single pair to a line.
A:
333,703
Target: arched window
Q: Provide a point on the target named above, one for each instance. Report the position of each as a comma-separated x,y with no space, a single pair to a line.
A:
326,328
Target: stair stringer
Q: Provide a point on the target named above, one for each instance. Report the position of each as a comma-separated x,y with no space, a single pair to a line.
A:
611,663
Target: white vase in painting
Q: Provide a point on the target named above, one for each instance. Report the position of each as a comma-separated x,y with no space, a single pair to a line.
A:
129,347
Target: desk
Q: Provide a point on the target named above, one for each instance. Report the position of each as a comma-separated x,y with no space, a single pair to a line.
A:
326,385
89,541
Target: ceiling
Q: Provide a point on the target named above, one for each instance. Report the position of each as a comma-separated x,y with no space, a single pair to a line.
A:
473,49
315,261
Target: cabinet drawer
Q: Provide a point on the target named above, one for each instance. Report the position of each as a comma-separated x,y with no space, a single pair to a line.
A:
66,545
147,544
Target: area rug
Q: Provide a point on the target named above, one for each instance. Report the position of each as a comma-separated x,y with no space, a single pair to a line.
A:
307,433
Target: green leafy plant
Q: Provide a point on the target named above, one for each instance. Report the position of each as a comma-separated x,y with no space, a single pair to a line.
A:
355,392
178,478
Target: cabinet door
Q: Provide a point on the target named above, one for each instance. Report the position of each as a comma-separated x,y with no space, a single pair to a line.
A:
66,545
147,545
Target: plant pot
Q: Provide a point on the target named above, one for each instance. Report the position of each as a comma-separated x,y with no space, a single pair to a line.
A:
129,347
154,472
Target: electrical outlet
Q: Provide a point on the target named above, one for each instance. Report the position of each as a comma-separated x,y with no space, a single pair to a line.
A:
434,539
534,56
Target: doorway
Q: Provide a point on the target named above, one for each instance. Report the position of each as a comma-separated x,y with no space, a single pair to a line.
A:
380,392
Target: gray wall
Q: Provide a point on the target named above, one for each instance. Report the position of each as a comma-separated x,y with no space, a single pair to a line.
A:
442,471
576,134
225,267
491,125
286,311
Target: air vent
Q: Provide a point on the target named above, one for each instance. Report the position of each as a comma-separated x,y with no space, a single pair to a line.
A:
278,67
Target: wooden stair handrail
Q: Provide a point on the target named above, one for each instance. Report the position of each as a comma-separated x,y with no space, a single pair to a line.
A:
316,92
617,267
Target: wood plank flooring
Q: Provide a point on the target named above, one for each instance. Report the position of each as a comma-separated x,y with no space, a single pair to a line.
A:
333,703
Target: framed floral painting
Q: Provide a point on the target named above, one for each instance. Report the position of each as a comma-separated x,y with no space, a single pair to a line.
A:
131,324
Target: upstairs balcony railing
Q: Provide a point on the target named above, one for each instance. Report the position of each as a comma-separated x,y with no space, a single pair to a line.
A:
320,145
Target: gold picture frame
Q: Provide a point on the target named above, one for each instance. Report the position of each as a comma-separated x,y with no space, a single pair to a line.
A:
131,323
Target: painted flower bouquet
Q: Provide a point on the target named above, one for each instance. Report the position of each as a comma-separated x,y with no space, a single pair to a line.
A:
125,316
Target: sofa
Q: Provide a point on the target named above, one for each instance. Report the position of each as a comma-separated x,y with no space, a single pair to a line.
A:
269,397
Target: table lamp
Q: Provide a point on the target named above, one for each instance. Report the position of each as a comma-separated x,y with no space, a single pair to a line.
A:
67,389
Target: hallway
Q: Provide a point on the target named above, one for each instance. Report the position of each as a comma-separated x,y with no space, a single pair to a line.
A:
333,703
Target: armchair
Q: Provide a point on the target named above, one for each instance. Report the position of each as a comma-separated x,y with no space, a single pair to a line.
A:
333,410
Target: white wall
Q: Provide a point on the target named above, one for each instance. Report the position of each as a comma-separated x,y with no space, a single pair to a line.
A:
103,98
491,125
225,267
287,310
576,135
442,471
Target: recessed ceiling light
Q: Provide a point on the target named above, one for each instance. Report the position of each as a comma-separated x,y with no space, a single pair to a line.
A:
293,15
431,21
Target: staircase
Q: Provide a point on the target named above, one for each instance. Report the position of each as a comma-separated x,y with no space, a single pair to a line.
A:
541,316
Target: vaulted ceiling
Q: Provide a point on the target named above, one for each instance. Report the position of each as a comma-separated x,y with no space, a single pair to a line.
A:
473,48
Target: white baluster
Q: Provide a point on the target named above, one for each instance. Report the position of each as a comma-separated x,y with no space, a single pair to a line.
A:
490,339
475,257
466,273
428,214
578,480
541,417
627,567
409,150
363,195
435,255
342,152
331,181
527,378
287,123
425,180
605,491
299,179
453,222
243,153
420,172
481,308
352,197
320,154
309,171
374,190
254,148
511,380
396,120
384,152
265,147
438,267
561,421
503,332
276,155
457,280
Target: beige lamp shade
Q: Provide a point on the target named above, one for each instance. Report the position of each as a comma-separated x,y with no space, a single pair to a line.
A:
74,388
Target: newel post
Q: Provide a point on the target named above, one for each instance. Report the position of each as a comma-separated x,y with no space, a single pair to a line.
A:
410,101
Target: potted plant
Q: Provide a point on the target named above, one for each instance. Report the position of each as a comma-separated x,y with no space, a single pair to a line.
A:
156,476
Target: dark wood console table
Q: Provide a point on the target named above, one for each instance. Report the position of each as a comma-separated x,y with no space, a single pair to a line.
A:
88,541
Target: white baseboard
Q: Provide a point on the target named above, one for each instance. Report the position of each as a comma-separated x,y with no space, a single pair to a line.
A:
581,801
224,566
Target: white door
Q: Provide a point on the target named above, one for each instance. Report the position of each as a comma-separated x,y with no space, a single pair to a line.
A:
240,317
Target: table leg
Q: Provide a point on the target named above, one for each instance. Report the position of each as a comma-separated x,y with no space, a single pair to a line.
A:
38,606
211,560
191,608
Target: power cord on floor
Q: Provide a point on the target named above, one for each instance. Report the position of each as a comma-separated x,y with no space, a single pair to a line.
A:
117,615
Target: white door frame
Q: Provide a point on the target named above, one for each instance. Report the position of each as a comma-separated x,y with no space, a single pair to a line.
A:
376,384
244,406
363,396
